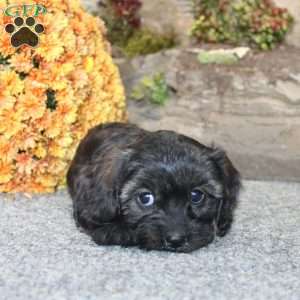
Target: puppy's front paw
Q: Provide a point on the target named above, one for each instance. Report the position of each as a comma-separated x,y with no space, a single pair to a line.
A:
114,234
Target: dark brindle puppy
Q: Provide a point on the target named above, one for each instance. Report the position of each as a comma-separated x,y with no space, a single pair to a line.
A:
157,190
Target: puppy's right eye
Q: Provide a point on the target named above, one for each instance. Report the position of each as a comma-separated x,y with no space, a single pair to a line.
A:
146,199
197,196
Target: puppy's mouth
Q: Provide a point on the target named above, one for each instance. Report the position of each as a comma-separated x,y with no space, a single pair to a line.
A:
187,246
182,248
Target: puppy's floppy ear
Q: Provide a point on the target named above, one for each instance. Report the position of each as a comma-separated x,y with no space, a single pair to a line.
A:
93,188
232,184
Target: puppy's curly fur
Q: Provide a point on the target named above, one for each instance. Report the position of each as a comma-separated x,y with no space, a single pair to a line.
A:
156,190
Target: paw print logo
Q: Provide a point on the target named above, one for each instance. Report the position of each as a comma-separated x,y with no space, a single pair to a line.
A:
22,34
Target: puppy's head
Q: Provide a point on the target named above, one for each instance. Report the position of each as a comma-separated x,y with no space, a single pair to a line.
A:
175,193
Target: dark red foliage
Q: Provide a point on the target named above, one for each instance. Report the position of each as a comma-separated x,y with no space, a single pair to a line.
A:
127,10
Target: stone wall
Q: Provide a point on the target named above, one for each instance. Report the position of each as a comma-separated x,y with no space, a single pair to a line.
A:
163,15
251,109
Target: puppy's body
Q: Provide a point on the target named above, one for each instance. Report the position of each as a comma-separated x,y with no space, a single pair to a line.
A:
157,190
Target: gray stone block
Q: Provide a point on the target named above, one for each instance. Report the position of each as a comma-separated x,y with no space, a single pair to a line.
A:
250,109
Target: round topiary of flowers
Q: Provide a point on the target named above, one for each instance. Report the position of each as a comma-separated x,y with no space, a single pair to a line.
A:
53,93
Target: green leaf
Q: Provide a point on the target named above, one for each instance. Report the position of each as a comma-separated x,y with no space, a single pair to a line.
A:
138,93
153,89
217,58
4,60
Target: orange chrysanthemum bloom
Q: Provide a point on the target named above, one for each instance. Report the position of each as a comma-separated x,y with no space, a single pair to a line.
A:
52,94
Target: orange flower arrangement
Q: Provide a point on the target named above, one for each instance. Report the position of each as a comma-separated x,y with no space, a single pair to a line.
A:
52,94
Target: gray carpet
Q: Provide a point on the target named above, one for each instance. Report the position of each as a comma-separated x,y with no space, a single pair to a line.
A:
43,256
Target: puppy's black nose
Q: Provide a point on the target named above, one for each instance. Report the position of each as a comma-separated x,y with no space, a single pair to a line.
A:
175,240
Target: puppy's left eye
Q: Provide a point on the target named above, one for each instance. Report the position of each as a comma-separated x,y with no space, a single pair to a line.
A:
146,199
197,196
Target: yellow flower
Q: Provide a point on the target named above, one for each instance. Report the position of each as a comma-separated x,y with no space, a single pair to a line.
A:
6,100
22,62
31,186
47,180
8,150
57,166
55,129
56,150
24,163
49,76
50,47
69,39
66,112
88,63
55,24
80,78
64,69
40,151
11,82
25,139
51,95
31,106
65,141
42,165
52,4
6,172
5,45
10,123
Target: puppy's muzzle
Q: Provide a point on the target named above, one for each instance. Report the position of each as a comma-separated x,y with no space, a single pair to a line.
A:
175,240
